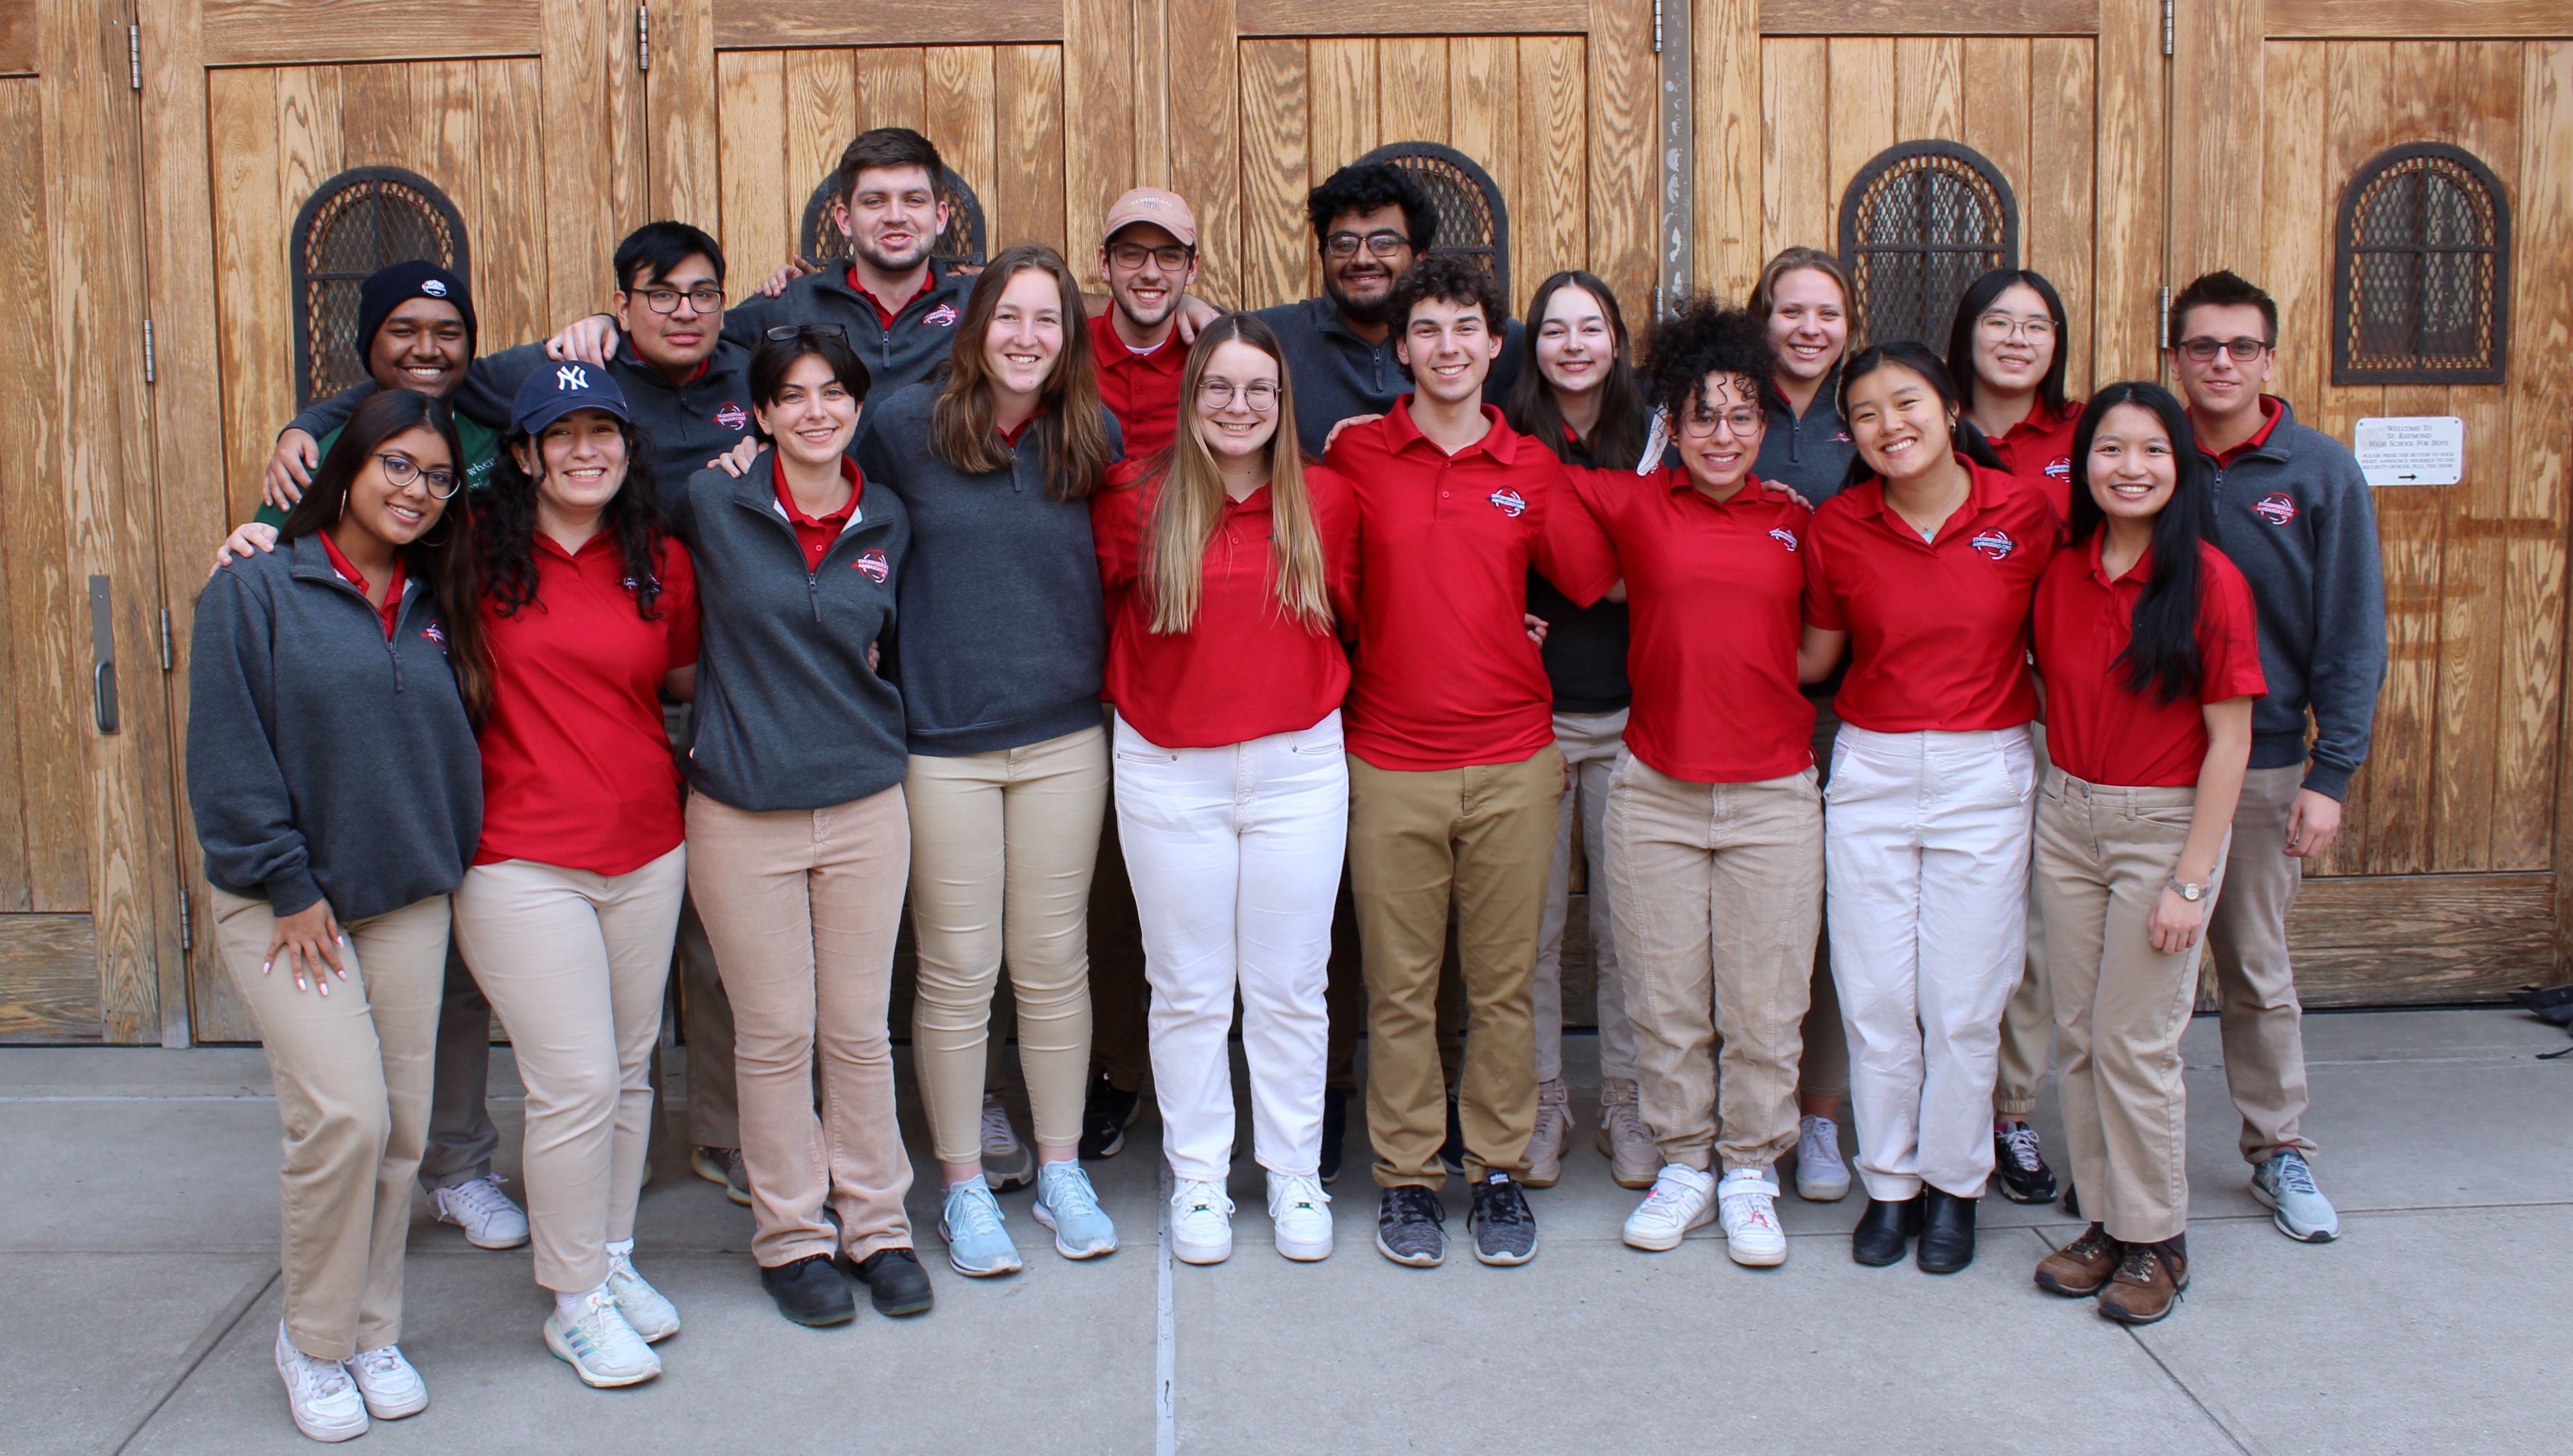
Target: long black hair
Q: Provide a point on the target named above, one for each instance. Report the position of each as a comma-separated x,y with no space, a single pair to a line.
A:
1970,311
1702,337
442,559
1903,352
509,534
2162,658
1617,442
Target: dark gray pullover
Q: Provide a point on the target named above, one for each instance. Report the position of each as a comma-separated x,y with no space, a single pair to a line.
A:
1003,633
2295,513
325,762
921,336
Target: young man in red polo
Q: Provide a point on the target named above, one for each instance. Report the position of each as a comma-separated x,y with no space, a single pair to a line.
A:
1454,779
2290,507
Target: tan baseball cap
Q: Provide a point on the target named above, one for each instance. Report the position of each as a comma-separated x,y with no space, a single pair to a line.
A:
1163,208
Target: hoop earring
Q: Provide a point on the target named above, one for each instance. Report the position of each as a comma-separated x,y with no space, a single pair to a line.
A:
343,512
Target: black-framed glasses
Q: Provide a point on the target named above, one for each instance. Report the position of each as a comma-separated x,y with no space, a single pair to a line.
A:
1387,244
1258,397
1134,254
784,332
401,469
2202,349
666,301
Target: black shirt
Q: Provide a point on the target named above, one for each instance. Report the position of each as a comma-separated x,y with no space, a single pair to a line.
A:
1585,647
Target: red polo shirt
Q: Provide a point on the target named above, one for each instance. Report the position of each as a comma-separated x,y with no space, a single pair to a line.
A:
1938,628
1447,676
576,769
1243,669
1715,602
815,533
392,609
890,312
2269,422
2100,729
2039,449
1140,390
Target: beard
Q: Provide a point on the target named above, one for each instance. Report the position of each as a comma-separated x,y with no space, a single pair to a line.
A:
874,258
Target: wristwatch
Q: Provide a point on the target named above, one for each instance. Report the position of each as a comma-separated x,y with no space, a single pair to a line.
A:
2190,892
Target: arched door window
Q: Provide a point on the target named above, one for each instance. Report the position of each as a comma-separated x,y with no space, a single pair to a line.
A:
1473,218
2421,272
1919,224
961,243
358,221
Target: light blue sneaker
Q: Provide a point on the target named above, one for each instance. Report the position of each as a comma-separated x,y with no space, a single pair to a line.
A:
2286,1186
1067,1204
977,1244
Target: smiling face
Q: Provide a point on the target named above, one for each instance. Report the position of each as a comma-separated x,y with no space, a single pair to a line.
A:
579,461
2014,341
2133,467
677,342
813,417
1450,348
2224,387
1721,436
1902,426
1363,283
398,515
1136,263
892,217
1574,343
1026,331
1808,324
1236,374
421,347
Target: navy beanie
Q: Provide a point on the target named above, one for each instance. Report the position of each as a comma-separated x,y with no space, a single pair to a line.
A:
387,288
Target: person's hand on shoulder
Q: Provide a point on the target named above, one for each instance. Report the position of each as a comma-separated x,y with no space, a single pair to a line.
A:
246,541
586,340
290,468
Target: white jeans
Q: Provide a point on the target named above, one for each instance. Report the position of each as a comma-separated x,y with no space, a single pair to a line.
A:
1234,854
1590,743
1926,855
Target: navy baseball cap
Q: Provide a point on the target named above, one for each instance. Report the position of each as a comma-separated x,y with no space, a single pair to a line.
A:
552,391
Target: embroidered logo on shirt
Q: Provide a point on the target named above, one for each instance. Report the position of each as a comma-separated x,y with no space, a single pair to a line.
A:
941,316
2276,507
1783,536
435,633
1996,545
1842,438
872,561
2060,469
732,416
1510,502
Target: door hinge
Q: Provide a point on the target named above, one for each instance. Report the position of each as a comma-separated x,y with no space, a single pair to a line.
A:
2170,27
186,923
2161,319
134,56
642,37
151,367
168,661
1657,27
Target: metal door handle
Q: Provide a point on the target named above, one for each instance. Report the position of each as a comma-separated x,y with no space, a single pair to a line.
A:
102,654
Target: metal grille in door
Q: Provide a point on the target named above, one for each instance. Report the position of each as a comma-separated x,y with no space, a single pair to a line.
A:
1919,224
355,223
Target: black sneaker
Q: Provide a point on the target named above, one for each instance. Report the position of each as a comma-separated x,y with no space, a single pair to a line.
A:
894,1281
2024,1176
810,1291
1504,1226
1451,1154
1335,1129
1411,1228
1105,1115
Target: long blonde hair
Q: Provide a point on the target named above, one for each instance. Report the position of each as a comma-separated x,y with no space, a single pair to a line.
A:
1191,500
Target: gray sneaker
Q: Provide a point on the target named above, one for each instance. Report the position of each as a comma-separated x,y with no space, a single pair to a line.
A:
1554,1135
1635,1159
1411,1228
2284,1184
1505,1227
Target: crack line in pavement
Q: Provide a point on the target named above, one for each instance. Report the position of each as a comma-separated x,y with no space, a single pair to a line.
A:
213,1335
1166,1419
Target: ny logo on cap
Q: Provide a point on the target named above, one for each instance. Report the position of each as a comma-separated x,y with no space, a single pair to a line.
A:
572,376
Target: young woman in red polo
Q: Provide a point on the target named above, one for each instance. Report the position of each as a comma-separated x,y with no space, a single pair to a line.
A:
1218,558
1714,826
2148,645
1924,569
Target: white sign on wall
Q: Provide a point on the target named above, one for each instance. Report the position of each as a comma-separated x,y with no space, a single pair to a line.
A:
2411,449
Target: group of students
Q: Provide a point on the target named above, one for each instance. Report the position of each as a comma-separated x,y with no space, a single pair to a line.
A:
1346,647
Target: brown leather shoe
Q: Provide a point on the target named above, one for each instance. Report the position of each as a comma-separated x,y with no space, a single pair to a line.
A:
2083,1267
2149,1282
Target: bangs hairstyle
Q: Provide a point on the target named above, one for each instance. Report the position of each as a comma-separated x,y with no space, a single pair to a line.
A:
1617,442
1970,311
1364,187
1705,338
506,537
441,559
1191,501
649,253
2161,660
1903,353
771,362
885,147
1069,425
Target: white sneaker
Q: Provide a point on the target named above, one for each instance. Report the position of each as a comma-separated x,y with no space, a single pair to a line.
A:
1301,1213
1821,1176
392,1388
1200,1223
654,1316
488,1216
598,1344
1747,1202
320,1393
1682,1199
1007,1163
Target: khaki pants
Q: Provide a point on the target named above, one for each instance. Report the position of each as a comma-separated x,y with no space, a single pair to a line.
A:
802,907
2028,1023
351,1071
2256,986
1003,849
1479,839
1719,897
576,964
2102,857
1591,744
1824,1073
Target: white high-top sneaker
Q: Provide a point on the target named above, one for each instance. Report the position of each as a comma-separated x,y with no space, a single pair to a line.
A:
1682,1199
1201,1222
1301,1215
1747,1202
392,1388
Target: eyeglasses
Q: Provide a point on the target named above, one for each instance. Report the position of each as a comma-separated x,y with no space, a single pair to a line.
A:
2003,326
2202,349
401,470
1387,244
1134,254
785,331
666,301
1701,423
1258,397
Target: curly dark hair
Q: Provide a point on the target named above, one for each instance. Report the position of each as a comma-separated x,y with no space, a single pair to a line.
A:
1450,278
1704,336
1364,187
505,530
